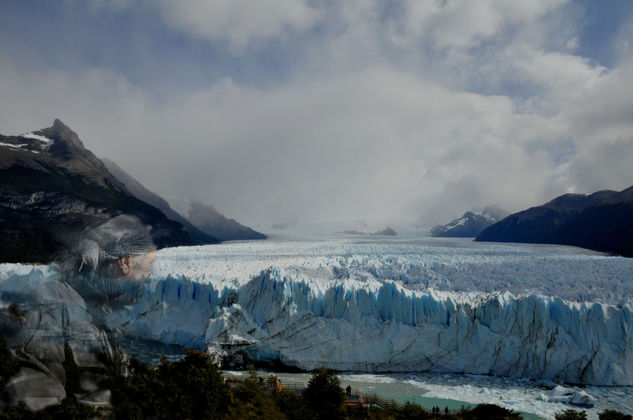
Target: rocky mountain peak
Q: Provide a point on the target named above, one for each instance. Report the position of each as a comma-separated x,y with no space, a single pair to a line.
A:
61,133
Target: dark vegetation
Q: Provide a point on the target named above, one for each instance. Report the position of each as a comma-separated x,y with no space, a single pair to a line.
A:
570,414
600,221
193,388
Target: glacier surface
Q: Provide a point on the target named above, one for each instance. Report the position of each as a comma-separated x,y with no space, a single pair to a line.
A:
526,311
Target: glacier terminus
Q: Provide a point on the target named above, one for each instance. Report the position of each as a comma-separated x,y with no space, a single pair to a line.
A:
389,305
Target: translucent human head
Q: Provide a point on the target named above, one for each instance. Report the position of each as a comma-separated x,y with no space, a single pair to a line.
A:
120,249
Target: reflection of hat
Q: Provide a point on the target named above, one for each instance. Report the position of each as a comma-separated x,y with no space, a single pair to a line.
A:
138,242
123,236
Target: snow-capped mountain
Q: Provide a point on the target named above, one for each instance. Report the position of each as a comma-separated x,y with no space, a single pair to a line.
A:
52,187
470,224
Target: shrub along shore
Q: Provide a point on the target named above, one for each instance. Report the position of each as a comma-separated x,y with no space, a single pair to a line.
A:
194,388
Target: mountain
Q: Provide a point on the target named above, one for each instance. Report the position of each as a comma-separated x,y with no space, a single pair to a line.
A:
52,188
206,218
205,223
601,221
470,224
142,193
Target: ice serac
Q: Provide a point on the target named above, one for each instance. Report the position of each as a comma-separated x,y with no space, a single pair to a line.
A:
386,328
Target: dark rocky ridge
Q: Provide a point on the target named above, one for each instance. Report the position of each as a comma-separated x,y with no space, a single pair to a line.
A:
142,193
206,218
52,192
602,221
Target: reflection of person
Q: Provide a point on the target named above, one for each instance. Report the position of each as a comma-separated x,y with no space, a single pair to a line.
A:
63,315
110,262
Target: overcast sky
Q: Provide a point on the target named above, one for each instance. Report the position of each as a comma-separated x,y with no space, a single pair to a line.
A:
272,110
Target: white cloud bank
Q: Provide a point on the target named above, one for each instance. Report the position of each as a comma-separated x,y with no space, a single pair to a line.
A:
240,22
373,126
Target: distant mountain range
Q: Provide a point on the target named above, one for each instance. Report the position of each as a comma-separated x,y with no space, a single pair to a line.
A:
601,221
52,188
205,223
213,223
470,224
142,193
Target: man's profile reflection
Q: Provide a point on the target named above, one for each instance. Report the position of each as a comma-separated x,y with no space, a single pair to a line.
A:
63,313
111,261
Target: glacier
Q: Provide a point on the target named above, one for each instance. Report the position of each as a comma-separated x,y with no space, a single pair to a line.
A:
391,305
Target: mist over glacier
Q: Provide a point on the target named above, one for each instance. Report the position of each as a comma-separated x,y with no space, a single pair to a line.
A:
399,305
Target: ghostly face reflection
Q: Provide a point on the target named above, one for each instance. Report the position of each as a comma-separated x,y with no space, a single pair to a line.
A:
137,268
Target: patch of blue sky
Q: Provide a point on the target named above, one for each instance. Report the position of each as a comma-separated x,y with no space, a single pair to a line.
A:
561,150
600,27
134,43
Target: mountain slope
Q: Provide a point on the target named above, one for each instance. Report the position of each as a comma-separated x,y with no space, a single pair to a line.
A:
52,187
142,193
470,224
601,221
213,223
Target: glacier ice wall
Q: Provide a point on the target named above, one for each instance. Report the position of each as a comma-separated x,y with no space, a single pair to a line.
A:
504,310
387,328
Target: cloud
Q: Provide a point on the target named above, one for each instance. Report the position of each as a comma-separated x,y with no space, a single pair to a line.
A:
600,121
92,101
415,113
239,22
463,24
371,144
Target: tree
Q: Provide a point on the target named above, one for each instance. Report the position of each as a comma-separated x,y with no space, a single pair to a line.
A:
191,388
614,415
252,399
570,414
292,405
412,411
135,389
324,395
202,393
491,411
